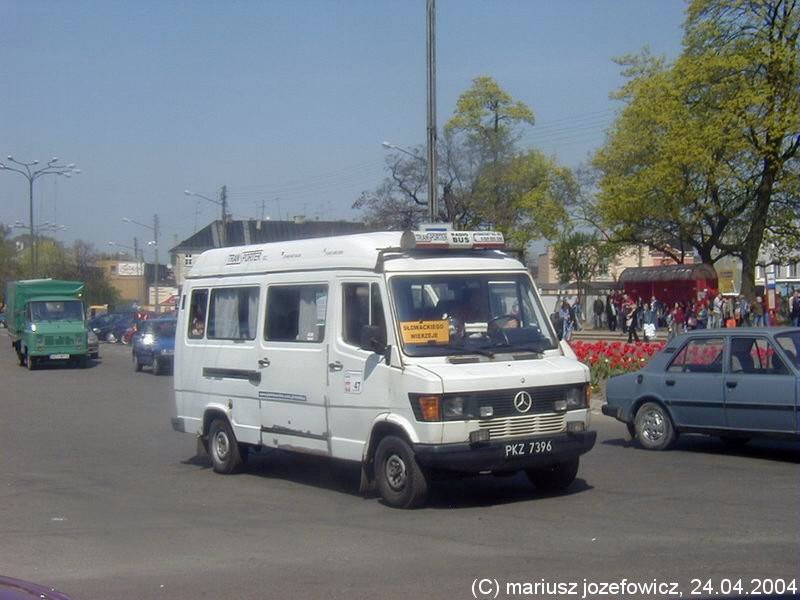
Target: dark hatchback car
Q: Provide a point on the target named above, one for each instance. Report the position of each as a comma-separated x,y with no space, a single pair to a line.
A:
154,345
734,383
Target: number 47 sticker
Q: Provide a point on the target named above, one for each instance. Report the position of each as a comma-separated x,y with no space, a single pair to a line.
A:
352,382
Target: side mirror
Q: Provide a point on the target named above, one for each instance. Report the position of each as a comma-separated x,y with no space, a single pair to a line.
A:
371,339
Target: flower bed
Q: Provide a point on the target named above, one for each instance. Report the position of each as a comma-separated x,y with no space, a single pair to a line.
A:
606,359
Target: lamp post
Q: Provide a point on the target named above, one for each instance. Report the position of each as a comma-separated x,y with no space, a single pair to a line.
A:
222,202
154,243
31,173
138,255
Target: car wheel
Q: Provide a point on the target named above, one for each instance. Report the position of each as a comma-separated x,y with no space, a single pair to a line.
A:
554,478
223,448
158,368
111,338
137,366
654,428
401,481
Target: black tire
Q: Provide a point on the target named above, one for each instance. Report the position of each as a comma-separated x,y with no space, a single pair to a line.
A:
137,366
223,448
654,428
21,358
158,368
30,362
554,478
401,481
631,430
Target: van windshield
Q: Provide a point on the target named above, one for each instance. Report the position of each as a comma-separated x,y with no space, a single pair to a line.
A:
443,315
56,310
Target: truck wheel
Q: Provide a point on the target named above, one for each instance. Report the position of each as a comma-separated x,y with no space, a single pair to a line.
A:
158,368
223,448
21,358
401,481
30,361
554,478
654,427
137,366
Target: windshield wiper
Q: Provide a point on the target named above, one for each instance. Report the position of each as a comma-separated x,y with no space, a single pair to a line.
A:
463,350
522,348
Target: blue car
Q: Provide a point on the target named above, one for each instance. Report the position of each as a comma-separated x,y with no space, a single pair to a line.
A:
154,345
733,383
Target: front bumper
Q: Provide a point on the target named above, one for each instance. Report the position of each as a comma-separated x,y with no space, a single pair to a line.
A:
492,456
613,411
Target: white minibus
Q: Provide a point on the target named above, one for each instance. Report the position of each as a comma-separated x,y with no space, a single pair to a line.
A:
415,354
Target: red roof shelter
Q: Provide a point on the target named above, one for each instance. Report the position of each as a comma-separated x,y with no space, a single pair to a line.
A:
671,283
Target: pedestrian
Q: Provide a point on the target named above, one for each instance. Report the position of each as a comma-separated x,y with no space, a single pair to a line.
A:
598,308
649,322
715,318
757,312
611,314
632,322
794,311
567,321
676,317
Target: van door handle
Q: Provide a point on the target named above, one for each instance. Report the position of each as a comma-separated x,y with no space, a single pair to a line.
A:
670,382
263,362
335,366
731,384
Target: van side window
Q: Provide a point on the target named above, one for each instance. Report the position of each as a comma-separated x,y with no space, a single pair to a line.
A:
296,313
361,305
232,313
197,314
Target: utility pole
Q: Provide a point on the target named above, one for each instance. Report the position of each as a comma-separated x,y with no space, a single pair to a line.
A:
433,205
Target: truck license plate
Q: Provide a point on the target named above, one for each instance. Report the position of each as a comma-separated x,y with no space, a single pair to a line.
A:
527,448
59,356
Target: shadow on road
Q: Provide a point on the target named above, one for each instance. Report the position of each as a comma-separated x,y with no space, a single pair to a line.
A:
344,477
777,450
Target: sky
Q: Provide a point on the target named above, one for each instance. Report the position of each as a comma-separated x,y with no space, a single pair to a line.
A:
286,102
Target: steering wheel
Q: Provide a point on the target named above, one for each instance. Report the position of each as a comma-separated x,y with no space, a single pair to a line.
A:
495,323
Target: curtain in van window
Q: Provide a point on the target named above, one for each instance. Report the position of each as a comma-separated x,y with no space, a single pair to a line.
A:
224,317
252,313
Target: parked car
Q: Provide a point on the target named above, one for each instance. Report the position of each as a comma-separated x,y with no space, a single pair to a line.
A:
735,383
103,325
154,345
121,324
93,344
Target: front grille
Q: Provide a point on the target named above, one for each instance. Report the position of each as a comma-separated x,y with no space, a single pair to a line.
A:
502,401
58,340
524,425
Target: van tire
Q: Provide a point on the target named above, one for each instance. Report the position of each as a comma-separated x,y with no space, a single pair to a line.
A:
223,448
137,366
158,368
401,481
30,361
554,478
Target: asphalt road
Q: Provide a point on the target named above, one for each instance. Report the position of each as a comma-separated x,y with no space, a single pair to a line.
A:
101,499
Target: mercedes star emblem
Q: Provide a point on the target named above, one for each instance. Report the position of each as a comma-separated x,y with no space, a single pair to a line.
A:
523,402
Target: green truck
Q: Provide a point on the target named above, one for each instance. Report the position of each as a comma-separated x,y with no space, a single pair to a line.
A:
47,322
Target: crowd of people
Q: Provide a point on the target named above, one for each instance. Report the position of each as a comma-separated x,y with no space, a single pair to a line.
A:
622,312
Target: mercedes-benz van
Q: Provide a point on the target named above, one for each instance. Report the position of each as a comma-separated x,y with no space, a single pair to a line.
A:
415,354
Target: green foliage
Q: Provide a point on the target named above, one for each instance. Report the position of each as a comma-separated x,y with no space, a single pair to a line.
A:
579,256
704,153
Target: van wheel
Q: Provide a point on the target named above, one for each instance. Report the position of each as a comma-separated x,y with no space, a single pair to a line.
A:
401,481
158,368
554,478
654,427
223,448
137,366
30,361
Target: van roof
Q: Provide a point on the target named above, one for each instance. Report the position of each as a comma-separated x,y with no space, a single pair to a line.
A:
364,251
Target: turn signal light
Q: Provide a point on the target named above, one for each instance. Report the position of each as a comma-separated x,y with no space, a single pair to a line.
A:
431,408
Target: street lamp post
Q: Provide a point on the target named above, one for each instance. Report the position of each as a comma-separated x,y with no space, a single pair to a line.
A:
31,173
154,243
222,202
138,255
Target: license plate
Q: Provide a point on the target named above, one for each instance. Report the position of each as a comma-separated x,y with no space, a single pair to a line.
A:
518,449
59,356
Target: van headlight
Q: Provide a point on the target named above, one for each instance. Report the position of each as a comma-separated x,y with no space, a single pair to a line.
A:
453,408
577,397
148,339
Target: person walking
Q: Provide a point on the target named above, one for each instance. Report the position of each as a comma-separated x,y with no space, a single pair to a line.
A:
650,322
611,314
598,308
757,312
632,322
567,321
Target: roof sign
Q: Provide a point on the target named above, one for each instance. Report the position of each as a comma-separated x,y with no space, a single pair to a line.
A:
451,240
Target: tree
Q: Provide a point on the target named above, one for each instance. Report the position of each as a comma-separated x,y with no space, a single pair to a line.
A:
580,256
705,151
9,265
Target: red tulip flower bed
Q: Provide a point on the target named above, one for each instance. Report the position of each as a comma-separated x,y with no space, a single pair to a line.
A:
605,359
